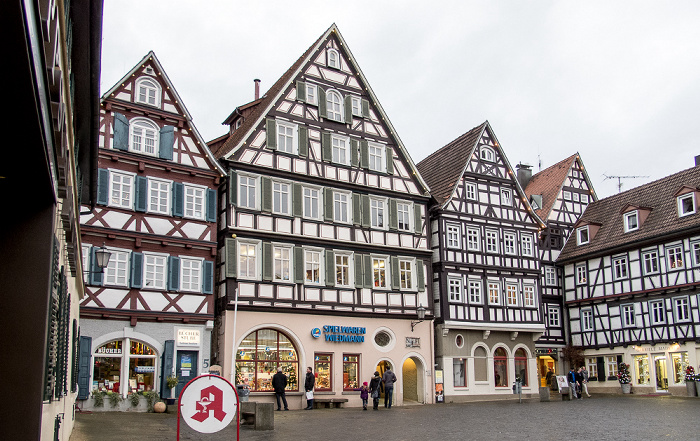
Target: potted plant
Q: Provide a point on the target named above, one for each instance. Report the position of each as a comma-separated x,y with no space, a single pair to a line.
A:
172,382
623,376
690,381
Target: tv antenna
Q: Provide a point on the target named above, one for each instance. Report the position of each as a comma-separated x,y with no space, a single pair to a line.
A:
620,178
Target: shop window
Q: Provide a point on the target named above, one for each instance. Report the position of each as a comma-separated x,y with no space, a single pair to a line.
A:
108,374
260,354
459,372
680,363
351,371
480,364
641,370
323,367
521,365
500,367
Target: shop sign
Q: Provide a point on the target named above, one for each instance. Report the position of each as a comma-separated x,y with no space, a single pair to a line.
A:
208,404
545,351
439,387
344,334
144,369
114,351
188,337
413,342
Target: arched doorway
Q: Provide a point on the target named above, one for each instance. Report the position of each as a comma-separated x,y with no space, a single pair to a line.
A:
413,380
381,368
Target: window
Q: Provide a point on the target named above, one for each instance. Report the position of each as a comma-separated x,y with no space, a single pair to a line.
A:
641,369
406,274
154,270
611,364
682,309
376,157
286,137
454,288
494,293
584,199
651,262
491,241
695,249
117,271
526,244
574,197
529,296
553,316
282,263
686,204
343,265
627,312
680,364
580,274
656,312
475,291
247,191
323,366
281,195
586,320
121,191
248,260
312,266
260,354
341,207
592,367
453,239
506,197
509,243
311,94
143,136
159,196
487,154
332,58
351,371
470,190
520,360
512,295
108,375
567,195
190,275
473,239
194,201
675,257
377,212
311,202
620,268
379,272
582,235
147,92
340,147
631,221
459,372
356,106
334,106
403,213
500,368
550,276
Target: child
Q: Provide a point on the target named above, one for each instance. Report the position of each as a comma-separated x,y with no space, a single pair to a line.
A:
364,395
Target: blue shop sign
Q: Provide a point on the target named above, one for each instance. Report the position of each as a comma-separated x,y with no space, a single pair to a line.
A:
344,334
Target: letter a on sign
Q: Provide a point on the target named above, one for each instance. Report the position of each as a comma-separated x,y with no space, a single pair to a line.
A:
208,404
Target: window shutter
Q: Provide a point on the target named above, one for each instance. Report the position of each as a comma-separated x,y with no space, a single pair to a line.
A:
322,102
354,153
211,205
298,265
417,218
266,196
102,186
330,268
328,204
348,108
167,140
359,274
166,367
75,363
173,273
232,188
121,132
366,219
420,275
393,215
141,194
297,202
303,141
136,270
368,271
178,199
267,261
600,361
356,209
390,160
271,131
365,108
96,273
231,258
207,277
301,91
364,154
85,357
326,149
395,282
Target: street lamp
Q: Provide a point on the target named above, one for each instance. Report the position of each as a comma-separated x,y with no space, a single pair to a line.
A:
102,259
421,316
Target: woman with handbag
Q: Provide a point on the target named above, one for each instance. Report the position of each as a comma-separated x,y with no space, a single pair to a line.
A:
309,383
374,386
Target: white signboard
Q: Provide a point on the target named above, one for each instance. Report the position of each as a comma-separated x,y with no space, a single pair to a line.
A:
208,403
563,384
187,337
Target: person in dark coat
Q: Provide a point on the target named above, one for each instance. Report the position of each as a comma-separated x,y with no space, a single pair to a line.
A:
579,383
279,384
374,385
388,379
309,383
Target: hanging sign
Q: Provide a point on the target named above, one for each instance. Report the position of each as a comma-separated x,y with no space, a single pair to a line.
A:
208,404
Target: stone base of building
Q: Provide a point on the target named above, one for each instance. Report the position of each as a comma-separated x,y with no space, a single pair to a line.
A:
493,397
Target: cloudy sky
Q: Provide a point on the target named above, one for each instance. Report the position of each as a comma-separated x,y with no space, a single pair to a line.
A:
617,81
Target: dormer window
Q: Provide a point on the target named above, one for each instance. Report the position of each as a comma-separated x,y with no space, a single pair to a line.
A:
686,204
332,58
147,92
487,154
582,235
631,221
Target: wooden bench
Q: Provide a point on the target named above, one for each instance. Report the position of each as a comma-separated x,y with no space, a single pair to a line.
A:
329,403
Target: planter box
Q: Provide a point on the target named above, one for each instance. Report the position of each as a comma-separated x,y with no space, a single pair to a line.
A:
123,406
697,388
690,388
626,388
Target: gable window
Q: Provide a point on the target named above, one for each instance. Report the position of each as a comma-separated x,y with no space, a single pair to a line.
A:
403,213
454,288
377,207
470,190
686,204
121,190
159,196
526,244
494,293
695,249
627,315
509,243
247,191
506,197
147,92
356,106
406,274
340,149
311,202
453,236
487,154
574,196
631,221
282,261
580,274
190,275
529,296
311,94
512,295
334,106
553,316
651,262
248,260
332,58
620,268
567,195
682,309
675,257
491,241
286,137
312,266
154,270
475,291
194,201
341,207
117,271
343,265
473,239
144,136
584,199
550,276
379,272
656,312
582,235
376,157
280,197
586,320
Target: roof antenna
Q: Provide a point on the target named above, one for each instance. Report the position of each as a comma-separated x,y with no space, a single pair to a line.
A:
620,178
539,162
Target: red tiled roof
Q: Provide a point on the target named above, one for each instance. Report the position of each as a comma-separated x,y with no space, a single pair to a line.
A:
547,183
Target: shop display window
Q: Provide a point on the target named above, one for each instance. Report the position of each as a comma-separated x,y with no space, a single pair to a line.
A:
109,359
323,366
260,354
459,371
107,373
641,370
521,365
351,369
680,363
500,367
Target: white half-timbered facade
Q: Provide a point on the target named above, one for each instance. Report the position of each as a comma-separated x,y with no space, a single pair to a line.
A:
150,311
631,278
323,230
486,269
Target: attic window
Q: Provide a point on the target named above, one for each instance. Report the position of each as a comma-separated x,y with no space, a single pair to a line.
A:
487,154
147,92
686,204
332,58
149,70
631,221
582,235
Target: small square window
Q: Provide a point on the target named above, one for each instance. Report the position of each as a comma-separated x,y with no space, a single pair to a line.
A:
567,195
574,196
631,221
582,235
686,204
356,106
584,198
470,190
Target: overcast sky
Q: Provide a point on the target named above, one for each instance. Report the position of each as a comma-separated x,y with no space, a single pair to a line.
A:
617,81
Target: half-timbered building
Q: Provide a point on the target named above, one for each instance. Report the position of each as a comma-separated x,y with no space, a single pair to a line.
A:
149,313
323,248
486,270
631,284
559,194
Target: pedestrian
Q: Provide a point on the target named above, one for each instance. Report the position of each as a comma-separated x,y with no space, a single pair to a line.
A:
279,384
584,385
579,383
364,395
548,377
309,383
571,377
374,385
388,379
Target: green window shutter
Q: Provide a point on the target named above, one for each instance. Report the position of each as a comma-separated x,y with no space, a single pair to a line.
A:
173,273
137,270
232,188
266,195
178,199
365,108
390,160
166,367
369,280
303,141
141,199
366,219
207,277
356,209
121,132
321,102
166,142
267,261
96,273
330,268
231,258
298,265
102,186
326,148
211,205
393,215
395,282
354,153
418,218
600,362
84,367
301,91
359,273
348,108
271,132
297,201
364,154
420,275
328,204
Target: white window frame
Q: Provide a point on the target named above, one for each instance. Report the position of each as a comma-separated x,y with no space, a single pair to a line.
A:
631,220
350,268
567,195
695,252
454,288
550,276
675,251
587,320
529,300
311,94
376,156
681,199
592,364
250,188
281,198
473,239
407,274
619,268
584,199
119,260
191,282
356,105
334,109
379,269
611,365
404,215
627,314
198,196
287,143
130,191
681,309
475,291
140,146
526,244
339,204
310,264
582,235
332,58
512,294
159,195
509,243
486,153
158,267
553,316
86,263
153,87
581,274
494,292
286,256
491,237
454,238
378,206
506,197
340,155
650,262
251,270
574,196
311,194
470,191
657,313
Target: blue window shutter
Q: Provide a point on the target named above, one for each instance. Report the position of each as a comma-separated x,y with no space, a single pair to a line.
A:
232,188
208,277
121,132
211,205
102,186
141,194
178,199
166,367
173,273
167,140
95,271
84,366
137,270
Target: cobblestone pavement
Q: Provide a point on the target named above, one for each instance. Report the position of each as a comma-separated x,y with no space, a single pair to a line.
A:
613,417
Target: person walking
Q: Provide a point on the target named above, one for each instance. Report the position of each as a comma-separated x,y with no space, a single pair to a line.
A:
374,385
309,383
364,395
279,384
571,377
579,383
584,385
388,379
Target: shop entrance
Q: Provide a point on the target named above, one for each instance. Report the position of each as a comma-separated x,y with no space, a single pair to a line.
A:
413,381
186,368
661,373
381,368
546,363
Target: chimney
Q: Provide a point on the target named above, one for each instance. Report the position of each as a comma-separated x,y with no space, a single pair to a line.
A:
257,88
697,160
523,174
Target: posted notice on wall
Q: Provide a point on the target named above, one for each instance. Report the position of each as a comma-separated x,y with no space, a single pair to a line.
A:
187,337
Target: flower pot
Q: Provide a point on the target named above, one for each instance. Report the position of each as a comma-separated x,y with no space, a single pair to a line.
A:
690,388
626,388
159,407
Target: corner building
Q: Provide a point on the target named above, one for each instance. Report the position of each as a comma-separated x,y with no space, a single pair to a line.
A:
323,246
